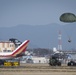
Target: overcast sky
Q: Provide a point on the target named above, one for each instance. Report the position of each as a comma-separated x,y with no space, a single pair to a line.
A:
33,12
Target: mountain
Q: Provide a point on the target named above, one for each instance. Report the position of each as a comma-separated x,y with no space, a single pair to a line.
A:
42,36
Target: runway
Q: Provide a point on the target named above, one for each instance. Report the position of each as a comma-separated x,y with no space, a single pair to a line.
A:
38,69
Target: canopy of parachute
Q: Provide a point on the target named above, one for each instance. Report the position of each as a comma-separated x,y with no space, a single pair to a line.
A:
68,17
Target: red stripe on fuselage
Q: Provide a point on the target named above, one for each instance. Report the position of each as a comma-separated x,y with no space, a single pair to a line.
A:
20,48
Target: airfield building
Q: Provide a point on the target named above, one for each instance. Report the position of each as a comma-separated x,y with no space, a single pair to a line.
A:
7,46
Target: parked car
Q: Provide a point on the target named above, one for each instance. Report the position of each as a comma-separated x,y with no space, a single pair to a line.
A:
71,63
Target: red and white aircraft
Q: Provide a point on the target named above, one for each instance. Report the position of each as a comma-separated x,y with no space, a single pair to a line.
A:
20,49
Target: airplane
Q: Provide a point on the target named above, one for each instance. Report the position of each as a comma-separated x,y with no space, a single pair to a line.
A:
59,54
16,53
57,51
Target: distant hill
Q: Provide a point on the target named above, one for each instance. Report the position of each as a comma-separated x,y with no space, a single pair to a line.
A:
42,36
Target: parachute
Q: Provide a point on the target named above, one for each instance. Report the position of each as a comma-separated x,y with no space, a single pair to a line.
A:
68,17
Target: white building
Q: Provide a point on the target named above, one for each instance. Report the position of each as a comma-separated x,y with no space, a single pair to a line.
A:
7,46
34,59
40,60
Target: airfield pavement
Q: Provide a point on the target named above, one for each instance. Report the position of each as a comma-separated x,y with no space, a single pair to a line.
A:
37,73
38,69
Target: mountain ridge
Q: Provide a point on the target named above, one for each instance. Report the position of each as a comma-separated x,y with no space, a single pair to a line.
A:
41,36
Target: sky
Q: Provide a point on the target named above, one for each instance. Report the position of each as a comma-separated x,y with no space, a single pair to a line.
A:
34,12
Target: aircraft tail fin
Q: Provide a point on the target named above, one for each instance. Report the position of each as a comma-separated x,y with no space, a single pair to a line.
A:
20,48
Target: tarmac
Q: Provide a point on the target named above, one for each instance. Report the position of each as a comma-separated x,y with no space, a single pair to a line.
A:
38,69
